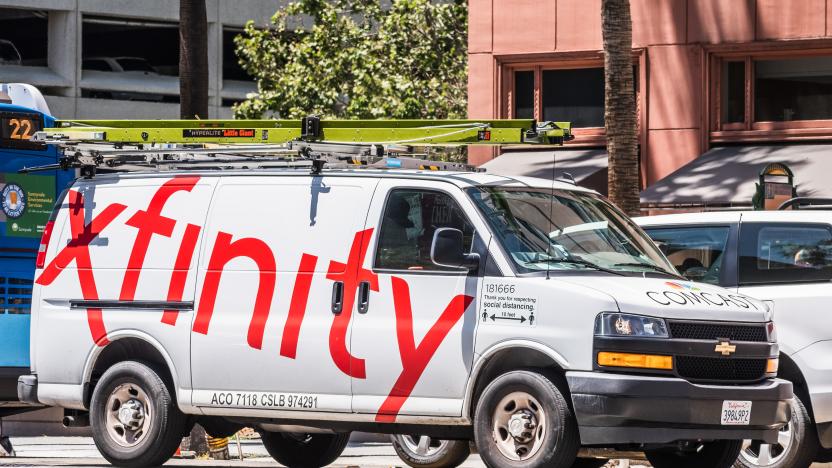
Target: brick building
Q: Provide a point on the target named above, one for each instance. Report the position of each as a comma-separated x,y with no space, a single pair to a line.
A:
742,82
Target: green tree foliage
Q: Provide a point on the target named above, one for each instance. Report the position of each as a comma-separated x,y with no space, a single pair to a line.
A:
358,59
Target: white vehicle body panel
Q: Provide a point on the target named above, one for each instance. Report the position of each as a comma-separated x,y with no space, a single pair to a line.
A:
243,244
800,310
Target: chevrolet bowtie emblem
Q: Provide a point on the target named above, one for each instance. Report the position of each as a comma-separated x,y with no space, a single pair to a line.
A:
726,348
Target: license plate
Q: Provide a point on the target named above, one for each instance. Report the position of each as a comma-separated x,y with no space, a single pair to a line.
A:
736,413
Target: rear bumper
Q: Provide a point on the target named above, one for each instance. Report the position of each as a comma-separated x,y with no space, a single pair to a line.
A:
616,409
27,389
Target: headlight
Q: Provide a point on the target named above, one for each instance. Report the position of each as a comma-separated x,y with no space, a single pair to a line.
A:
615,324
772,332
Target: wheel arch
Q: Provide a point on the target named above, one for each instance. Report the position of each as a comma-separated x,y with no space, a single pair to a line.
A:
128,345
789,370
506,356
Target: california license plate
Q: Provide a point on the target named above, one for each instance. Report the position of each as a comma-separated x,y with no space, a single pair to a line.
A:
736,413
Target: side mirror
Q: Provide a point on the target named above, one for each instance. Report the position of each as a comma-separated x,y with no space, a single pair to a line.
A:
448,250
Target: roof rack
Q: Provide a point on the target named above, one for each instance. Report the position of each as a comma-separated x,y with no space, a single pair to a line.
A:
93,145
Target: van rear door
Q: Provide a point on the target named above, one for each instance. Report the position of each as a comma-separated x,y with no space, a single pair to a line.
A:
271,331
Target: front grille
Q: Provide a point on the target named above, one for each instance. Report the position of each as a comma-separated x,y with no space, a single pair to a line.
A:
706,368
713,331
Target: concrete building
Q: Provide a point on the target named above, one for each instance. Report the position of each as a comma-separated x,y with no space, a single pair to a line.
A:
751,78
118,58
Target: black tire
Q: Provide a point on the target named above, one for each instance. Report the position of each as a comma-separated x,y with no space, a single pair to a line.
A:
219,428
589,463
158,436
824,456
448,453
800,450
554,445
716,454
304,450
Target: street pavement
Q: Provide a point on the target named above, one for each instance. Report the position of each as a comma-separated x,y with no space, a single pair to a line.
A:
81,452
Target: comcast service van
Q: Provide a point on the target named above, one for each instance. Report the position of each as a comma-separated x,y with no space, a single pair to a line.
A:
527,315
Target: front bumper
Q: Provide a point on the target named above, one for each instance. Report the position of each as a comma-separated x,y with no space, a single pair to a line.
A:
617,409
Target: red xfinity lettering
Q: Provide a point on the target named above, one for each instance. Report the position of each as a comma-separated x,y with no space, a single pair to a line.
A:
351,274
181,266
297,308
416,358
150,222
78,250
224,252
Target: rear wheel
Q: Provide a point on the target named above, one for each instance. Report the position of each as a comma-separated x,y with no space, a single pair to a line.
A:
796,446
298,450
135,420
716,454
523,420
426,452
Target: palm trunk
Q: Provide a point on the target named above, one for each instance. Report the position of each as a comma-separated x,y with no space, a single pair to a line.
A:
193,59
620,105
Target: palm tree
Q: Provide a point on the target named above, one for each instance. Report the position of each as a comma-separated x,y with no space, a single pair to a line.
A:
193,59
620,105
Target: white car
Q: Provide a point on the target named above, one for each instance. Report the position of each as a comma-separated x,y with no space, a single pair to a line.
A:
531,318
783,258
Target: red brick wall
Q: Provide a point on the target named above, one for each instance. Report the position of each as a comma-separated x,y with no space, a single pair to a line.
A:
673,33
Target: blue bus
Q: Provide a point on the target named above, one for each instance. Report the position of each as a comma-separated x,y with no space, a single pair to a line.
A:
26,202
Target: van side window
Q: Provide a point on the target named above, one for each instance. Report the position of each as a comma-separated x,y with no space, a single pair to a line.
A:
785,253
411,216
697,252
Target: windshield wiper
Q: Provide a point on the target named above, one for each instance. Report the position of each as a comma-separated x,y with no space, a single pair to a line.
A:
580,261
650,267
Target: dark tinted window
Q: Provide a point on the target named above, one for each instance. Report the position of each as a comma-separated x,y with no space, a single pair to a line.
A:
410,219
524,95
697,252
733,92
785,253
793,89
574,95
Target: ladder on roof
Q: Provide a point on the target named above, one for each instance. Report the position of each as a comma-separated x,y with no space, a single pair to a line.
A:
90,145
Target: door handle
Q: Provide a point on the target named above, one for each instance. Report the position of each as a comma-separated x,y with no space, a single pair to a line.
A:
363,297
337,297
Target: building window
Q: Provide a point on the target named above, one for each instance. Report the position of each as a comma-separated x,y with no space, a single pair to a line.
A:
524,94
566,95
793,89
733,92
772,94
574,95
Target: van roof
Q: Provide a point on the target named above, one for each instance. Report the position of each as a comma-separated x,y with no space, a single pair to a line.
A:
459,178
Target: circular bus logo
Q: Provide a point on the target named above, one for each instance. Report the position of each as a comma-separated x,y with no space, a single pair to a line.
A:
13,200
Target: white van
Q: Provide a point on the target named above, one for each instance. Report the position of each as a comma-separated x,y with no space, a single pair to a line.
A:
530,316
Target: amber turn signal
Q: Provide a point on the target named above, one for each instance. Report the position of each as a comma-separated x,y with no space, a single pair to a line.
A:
772,366
643,361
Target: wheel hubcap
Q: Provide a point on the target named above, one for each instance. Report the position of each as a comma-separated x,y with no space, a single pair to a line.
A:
519,426
423,446
128,415
760,454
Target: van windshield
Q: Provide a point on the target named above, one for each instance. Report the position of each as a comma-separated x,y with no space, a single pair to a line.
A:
544,229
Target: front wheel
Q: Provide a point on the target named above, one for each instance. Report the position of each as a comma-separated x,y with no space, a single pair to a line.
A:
297,450
135,420
523,420
717,454
796,446
427,452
